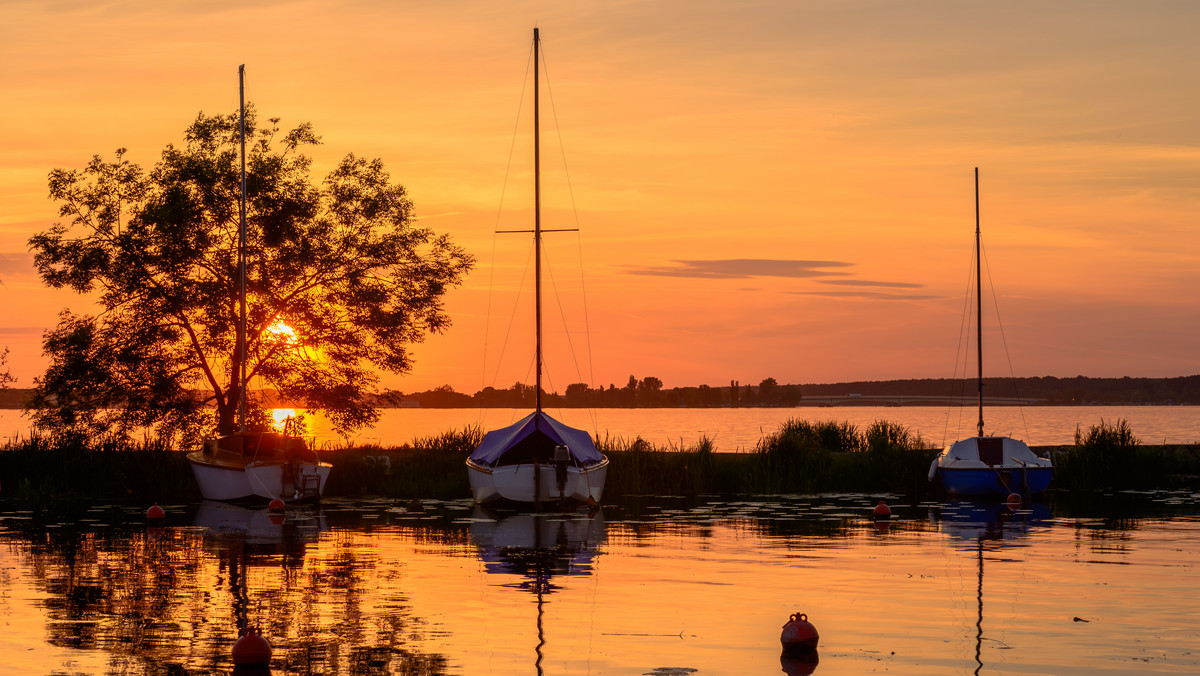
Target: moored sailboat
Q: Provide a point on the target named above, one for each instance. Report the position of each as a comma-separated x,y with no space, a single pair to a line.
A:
988,465
250,463
537,459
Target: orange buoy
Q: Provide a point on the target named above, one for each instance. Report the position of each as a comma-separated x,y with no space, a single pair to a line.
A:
251,649
1014,501
799,634
276,505
156,513
882,511
591,502
883,526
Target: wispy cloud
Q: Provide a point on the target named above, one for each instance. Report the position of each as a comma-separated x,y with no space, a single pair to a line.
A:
15,264
744,268
873,295
866,282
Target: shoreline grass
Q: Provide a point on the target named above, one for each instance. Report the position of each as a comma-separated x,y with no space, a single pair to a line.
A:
799,457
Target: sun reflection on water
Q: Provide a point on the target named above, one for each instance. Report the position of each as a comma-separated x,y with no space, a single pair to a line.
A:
280,417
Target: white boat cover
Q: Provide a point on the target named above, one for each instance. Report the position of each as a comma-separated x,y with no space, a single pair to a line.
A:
498,442
990,452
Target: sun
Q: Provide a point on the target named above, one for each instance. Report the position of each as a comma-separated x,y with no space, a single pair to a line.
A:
281,332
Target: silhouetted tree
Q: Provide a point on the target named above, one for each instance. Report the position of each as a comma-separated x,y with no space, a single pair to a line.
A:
6,378
340,282
577,394
767,390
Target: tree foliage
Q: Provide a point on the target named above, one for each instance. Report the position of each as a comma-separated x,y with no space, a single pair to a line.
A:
340,282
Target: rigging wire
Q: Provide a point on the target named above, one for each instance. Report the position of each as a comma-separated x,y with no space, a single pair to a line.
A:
963,350
1004,341
512,318
579,241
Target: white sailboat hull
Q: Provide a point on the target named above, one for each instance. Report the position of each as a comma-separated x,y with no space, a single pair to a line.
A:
269,480
536,482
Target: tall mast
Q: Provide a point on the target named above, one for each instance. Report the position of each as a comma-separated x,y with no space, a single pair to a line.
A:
537,222
978,301
241,338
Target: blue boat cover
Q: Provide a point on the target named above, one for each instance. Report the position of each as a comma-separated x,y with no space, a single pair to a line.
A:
498,442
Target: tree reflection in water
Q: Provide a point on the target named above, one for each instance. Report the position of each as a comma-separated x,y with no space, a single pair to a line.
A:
174,599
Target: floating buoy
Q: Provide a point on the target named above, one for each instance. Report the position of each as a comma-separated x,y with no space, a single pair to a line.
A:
1014,501
416,507
276,505
799,634
156,513
251,650
883,525
882,511
591,502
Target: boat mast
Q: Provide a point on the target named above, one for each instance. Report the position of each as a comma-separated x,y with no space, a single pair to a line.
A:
978,302
241,338
537,223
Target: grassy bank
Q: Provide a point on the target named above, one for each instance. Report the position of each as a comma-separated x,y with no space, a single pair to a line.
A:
800,457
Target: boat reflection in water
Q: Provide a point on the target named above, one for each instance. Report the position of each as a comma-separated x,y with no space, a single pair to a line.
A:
230,524
538,547
238,536
981,525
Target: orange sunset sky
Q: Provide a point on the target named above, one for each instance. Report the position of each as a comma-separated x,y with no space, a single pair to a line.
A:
764,189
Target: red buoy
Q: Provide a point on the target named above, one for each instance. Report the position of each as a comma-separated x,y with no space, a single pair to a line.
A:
276,505
882,511
251,650
799,634
1014,501
156,513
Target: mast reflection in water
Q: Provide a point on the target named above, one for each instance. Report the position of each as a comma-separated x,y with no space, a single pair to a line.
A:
537,547
977,522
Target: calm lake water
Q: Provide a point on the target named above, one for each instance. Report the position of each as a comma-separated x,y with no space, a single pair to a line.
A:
659,586
739,429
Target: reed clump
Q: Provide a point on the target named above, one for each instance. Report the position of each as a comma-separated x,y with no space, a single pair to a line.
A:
804,456
1109,455
43,469
427,467
638,467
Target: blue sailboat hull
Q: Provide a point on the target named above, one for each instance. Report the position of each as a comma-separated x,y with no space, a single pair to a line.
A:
994,480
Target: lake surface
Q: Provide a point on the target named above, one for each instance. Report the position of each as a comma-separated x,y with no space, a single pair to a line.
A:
660,586
739,429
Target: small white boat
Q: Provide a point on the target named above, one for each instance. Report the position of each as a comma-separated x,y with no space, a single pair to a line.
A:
988,465
250,463
537,459
264,464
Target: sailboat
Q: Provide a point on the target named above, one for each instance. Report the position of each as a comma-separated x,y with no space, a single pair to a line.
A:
982,464
537,459
250,463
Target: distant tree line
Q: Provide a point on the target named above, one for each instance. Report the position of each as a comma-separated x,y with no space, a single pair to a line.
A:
649,392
